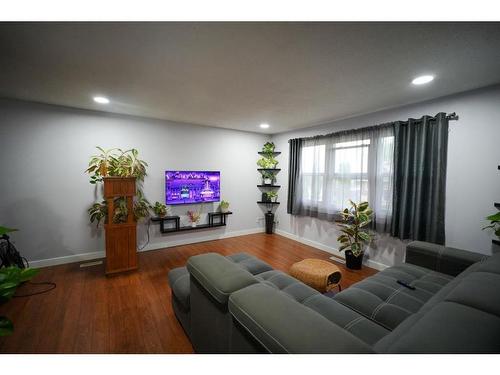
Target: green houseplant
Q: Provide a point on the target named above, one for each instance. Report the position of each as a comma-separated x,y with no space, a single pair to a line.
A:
10,278
159,209
224,206
494,220
268,148
116,162
267,162
272,196
268,178
354,237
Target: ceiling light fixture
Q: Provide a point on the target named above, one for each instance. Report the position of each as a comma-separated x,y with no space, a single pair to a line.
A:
264,126
101,100
422,80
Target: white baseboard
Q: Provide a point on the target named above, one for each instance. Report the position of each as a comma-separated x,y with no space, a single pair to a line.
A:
154,246
329,249
66,259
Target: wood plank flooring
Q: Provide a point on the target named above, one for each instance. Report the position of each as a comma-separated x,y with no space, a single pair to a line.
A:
129,313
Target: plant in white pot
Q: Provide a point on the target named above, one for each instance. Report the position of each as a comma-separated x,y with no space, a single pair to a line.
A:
268,178
224,206
194,217
354,237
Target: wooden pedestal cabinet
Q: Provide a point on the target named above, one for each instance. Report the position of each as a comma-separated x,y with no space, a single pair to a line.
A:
121,239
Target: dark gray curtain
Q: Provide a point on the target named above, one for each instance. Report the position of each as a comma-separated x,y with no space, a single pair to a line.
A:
420,153
295,152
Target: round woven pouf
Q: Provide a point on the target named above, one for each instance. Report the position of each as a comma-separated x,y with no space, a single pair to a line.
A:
318,274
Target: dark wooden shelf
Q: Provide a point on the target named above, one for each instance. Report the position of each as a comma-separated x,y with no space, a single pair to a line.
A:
178,228
269,186
275,153
261,202
268,169
496,242
188,227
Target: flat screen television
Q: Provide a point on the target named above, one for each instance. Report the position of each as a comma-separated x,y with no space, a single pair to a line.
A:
188,187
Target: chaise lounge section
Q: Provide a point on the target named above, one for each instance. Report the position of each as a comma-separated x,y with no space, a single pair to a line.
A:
448,304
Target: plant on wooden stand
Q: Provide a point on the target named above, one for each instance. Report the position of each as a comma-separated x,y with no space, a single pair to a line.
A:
118,163
354,237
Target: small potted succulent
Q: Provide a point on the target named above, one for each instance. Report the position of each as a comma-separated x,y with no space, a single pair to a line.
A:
194,217
354,237
224,206
159,209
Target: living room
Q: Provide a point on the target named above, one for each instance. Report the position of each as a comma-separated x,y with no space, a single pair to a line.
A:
250,187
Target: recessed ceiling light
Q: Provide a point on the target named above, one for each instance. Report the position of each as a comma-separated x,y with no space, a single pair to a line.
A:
264,126
101,100
422,80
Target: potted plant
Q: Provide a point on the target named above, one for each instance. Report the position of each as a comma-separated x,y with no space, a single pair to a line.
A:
194,217
98,212
10,278
121,170
159,209
141,206
354,237
494,220
224,206
268,148
268,178
267,162
272,196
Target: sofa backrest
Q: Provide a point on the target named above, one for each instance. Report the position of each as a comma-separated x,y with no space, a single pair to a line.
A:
463,317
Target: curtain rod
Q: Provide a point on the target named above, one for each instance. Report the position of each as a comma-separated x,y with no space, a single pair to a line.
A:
450,116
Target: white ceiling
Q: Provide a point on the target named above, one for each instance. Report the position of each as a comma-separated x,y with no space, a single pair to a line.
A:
238,75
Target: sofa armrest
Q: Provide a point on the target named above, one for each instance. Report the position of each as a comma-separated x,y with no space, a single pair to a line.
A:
219,275
282,325
440,258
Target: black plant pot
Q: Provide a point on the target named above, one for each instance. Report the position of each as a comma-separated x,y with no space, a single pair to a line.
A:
353,262
269,222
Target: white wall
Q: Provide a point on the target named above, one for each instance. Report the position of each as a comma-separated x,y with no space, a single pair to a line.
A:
473,180
44,192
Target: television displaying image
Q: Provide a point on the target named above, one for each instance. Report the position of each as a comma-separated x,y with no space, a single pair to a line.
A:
184,187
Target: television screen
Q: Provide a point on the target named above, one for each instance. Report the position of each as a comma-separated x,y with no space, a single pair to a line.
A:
183,187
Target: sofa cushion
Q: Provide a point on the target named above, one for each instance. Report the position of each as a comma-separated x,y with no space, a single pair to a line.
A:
463,317
440,258
358,325
250,263
281,325
447,328
381,299
219,275
178,279
292,287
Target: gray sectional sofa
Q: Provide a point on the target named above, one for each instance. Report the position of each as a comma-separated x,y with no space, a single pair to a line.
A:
450,303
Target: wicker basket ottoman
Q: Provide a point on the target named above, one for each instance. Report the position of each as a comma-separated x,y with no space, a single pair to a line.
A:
318,274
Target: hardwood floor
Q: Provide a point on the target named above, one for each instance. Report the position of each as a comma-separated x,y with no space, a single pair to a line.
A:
129,313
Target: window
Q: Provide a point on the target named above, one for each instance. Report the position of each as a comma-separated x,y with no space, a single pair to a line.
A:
336,169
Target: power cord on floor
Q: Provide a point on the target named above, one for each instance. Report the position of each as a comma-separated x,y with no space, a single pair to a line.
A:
52,286
147,242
